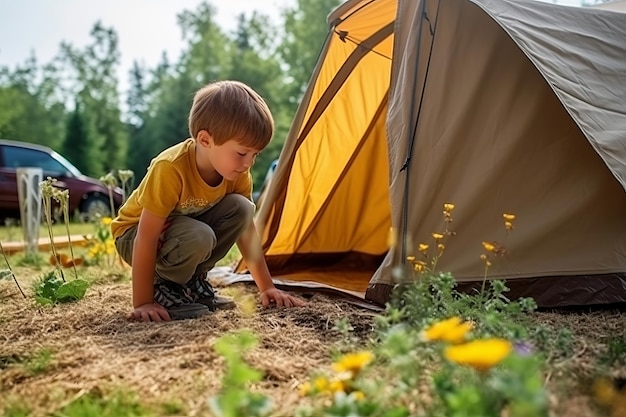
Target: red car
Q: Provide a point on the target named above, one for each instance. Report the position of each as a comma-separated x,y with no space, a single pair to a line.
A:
88,197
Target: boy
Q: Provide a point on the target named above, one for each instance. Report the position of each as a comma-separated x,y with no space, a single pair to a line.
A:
193,204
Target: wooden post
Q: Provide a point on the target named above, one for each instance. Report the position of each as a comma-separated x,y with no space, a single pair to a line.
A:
29,194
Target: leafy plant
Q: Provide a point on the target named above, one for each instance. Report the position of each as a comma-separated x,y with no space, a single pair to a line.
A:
440,351
47,192
39,361
234,399
32,259
93,405
485,377
16,409
51,290
126,177
101,246
615,350
345,387
110,182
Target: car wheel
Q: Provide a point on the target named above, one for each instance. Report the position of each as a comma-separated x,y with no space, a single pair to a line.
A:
94,208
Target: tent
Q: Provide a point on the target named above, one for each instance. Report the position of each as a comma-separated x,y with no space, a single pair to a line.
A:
617,5
495,106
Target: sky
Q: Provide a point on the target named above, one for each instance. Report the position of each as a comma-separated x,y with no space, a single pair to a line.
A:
145,28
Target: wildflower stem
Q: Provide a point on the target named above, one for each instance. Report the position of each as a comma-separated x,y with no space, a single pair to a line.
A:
47,209
110,188
434,263
69,238
482,290
11,270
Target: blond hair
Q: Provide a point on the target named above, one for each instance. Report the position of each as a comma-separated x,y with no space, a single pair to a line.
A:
231,110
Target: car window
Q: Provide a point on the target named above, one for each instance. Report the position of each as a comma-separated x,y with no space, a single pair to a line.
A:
16,157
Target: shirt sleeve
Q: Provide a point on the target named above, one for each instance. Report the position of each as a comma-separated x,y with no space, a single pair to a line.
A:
162,189
243,185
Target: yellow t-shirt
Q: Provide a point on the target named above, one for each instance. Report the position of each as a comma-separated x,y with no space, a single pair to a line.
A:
173,186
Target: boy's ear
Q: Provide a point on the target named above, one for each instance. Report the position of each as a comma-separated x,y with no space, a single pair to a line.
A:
204,138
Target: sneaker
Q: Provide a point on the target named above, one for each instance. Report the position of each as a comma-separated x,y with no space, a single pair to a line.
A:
188,311
204,293
177,300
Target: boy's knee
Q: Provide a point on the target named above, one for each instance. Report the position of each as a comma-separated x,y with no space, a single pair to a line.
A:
243,207
192,232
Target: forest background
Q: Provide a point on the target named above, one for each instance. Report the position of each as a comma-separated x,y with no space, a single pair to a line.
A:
73,103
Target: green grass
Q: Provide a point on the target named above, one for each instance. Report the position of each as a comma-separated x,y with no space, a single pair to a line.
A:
39,362
11,231
231,258
93,405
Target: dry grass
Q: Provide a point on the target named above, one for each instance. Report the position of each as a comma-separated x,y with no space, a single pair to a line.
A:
96,350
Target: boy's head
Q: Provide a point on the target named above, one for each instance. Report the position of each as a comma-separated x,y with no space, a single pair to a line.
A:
231,110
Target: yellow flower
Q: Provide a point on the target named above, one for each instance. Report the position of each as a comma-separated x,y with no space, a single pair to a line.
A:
508,226
452,330
423,247
448,207
437,236
353,362
508,217
479,354
357,395
320,384
305,389
106,221
410,258
489,247
337,385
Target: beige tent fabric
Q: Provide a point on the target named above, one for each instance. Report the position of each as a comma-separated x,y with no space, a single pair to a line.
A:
496,106
615,5
492,138
584,65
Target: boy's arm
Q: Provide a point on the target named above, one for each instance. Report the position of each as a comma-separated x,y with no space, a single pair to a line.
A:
144,260
249,245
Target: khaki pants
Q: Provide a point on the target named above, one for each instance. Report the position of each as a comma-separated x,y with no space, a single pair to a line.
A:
192,245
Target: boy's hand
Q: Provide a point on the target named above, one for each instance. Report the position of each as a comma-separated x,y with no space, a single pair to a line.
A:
278,298
150,312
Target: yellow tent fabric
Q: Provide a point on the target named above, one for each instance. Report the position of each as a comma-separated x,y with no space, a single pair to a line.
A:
336,213
493,105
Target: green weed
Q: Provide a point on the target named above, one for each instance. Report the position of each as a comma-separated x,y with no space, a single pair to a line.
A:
120,404
234,398
16,409
231,258
33,260
439,352
101,246
615,351
50,290
39,362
